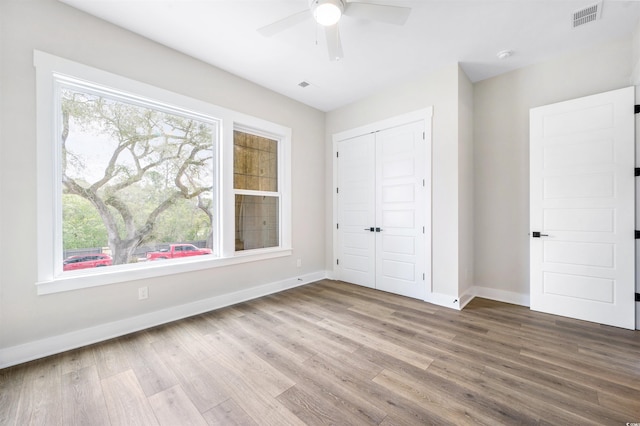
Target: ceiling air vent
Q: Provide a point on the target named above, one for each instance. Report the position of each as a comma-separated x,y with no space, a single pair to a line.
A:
587,14
304,84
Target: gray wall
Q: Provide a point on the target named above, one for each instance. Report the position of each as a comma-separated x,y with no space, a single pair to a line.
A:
440,90
481,160
501,143
480,153
55,28
466,216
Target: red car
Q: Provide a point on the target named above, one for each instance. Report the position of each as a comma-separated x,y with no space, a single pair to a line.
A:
177,250
86,261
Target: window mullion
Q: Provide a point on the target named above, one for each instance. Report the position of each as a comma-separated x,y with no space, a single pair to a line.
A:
256,193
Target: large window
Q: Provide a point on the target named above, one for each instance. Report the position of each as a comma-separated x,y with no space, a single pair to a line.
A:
135,177
135,181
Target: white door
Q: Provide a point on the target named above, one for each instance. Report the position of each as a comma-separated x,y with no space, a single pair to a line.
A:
400,188
380,196
356,210
582,208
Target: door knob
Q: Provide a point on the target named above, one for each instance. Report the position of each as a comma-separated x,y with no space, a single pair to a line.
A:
537,234
369,229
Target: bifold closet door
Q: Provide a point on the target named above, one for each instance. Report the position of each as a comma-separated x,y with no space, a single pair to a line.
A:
381,187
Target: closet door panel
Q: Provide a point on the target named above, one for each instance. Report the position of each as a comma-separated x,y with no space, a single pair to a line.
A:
356,210
400,158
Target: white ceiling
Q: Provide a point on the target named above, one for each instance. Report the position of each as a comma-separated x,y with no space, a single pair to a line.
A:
437,33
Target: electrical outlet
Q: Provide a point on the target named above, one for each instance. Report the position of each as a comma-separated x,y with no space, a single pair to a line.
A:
299,263
143,293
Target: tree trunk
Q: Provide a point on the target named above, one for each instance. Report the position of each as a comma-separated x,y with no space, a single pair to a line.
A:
122,250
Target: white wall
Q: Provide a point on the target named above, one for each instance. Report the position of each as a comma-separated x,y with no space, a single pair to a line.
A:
465,187
439,90
635,56
482,247
60,30
501,143
495,158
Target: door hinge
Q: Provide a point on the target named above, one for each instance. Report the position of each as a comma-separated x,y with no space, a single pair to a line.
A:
637,235
423,182
423,276
337,154
636,109
424,136
337,261
637,297
637,171
337,226
337,190
423,229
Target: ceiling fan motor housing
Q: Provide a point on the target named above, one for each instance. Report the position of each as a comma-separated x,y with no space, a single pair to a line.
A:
327,12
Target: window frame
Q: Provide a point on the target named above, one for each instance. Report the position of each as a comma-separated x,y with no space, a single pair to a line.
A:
50,278
63,82
262,193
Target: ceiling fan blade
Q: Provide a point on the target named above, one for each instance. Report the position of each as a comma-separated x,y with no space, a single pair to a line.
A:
285,23
334,45
395,15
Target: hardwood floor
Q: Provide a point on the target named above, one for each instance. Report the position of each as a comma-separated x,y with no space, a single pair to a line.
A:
334,353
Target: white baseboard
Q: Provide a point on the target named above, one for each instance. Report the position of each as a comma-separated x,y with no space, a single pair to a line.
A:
459,303
466,297
75,339
443,300
512,297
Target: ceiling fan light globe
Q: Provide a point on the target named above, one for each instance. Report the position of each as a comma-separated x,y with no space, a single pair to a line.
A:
327,12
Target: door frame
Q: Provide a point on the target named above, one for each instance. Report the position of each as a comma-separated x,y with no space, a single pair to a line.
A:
425,115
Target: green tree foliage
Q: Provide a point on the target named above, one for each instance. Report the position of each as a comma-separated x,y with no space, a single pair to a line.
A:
146,173
81,225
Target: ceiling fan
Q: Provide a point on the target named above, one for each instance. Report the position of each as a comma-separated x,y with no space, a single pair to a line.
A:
328,12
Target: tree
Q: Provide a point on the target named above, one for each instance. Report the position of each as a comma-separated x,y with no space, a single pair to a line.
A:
81,225
132,163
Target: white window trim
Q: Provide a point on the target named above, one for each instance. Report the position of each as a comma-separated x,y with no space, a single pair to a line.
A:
258,193
49,186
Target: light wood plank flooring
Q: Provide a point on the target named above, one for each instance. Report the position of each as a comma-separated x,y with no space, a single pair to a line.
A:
335,353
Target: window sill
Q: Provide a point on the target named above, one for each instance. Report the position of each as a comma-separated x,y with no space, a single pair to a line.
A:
77,280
